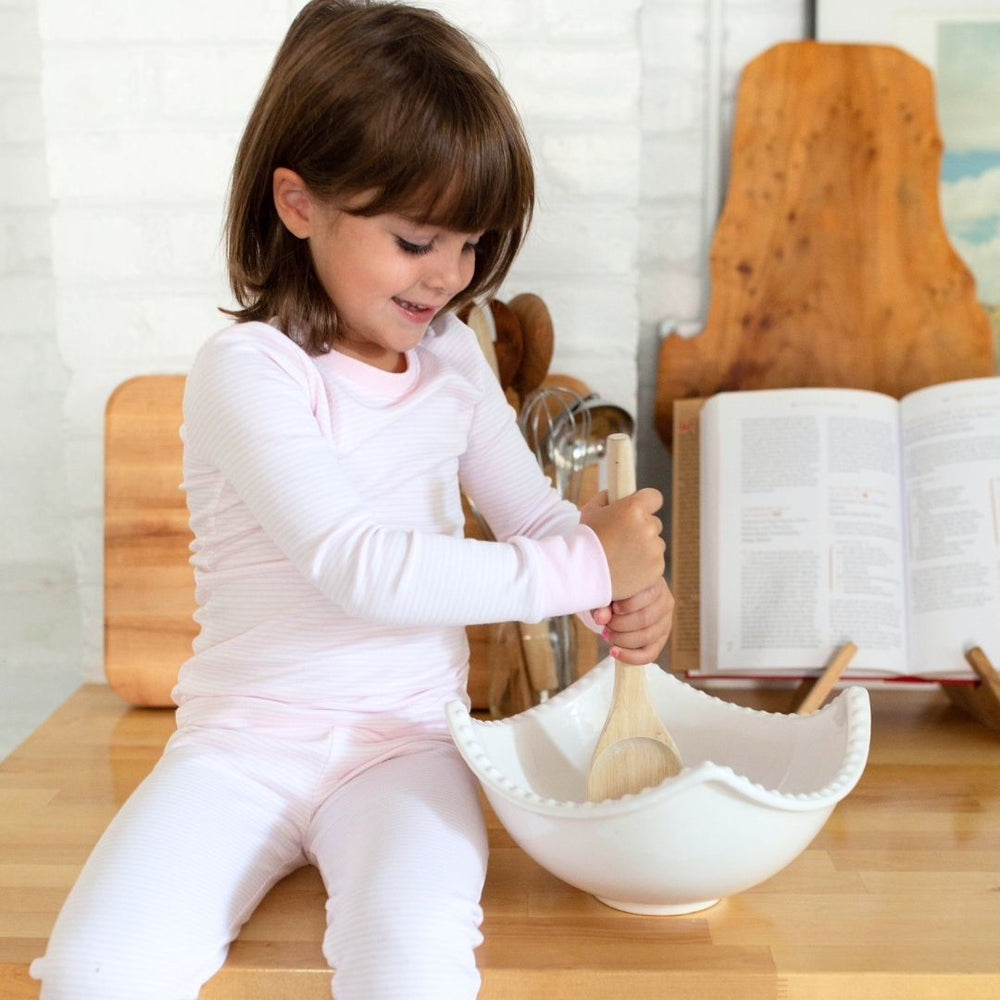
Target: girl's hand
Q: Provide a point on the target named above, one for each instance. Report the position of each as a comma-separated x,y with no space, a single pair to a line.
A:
638,627
630,533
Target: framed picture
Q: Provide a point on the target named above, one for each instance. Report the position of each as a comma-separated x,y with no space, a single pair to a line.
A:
960,41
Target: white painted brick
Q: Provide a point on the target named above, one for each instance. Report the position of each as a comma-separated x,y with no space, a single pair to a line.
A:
21,120
83,414
100,88
486,23
570,84
88,541
595,163
90,654
28,378
754,34
672,166
673,102
791,11
141,243
29,535
675,294
584,314
176,166
19,51
590,19
138,330
595,326
22,177
582,243
672,235
27,302
672,36
180,20
25,242
84,457
213,82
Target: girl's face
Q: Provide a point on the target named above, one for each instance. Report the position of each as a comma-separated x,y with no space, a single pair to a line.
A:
387,277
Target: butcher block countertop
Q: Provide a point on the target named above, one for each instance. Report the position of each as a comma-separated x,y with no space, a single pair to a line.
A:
898,897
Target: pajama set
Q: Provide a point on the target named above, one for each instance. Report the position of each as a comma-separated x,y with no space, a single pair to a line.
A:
333,587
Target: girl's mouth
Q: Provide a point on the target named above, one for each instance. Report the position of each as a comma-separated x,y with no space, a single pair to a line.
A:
414,310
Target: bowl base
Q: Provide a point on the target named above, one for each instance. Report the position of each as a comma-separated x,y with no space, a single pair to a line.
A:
657,909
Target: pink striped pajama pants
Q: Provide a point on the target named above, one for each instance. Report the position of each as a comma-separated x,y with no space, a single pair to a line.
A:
391,821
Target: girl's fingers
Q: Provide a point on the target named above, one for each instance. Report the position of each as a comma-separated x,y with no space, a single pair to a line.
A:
602,616
639,638
636,601
644,654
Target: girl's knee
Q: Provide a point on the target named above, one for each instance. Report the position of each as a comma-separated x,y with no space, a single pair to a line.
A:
82,965
388,947
78,976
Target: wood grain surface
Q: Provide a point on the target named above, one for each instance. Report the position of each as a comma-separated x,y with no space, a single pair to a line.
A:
896,899
830,264
148,581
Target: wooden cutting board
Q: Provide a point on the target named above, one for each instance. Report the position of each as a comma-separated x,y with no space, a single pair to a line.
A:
148,581
830,264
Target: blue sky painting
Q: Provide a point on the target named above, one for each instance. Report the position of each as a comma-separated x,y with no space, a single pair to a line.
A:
968,93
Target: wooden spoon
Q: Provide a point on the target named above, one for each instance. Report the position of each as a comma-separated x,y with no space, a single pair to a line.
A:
538,341
508,343
480,321
634,750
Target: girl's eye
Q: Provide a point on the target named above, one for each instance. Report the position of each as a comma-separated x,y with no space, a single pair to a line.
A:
417,249
472,247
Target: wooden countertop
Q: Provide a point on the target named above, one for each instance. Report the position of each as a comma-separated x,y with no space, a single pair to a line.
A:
898,897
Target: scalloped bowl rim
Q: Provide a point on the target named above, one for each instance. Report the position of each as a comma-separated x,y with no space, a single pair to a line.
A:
858,724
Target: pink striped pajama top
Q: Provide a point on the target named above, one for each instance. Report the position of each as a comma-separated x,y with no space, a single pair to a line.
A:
332,573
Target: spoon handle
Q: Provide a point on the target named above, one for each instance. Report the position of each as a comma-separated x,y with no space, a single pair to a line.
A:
621,466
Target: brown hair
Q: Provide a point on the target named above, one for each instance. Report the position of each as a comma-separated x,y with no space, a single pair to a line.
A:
386,100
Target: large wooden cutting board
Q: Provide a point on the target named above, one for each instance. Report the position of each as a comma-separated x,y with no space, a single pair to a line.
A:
148,581
830,264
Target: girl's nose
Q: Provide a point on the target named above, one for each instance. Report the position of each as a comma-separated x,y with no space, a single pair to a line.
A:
449,272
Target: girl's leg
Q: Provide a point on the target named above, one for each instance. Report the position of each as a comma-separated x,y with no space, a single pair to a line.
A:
167,887
402,849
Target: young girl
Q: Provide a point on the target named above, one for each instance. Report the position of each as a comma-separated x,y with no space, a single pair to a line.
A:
383,179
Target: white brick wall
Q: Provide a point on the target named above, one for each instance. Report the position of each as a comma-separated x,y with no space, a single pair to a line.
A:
111,205
40,624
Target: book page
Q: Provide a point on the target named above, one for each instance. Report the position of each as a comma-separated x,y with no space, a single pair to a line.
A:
802,532
951,461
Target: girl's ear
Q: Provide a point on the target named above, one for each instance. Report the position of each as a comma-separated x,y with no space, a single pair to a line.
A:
292,201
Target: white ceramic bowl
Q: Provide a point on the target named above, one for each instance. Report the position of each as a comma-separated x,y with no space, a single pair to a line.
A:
755,789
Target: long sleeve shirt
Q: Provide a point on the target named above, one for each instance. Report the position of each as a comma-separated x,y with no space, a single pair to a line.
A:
331,569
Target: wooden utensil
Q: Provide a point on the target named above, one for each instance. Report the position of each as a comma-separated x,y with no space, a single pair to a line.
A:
538,339
634,750
508,343
480,321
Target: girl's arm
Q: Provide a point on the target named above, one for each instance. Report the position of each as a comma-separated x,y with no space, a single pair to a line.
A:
249,413
502,476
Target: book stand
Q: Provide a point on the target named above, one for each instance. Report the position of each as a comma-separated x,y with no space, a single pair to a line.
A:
814,691
980,698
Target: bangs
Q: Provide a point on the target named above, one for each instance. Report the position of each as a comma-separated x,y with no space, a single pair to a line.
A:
453,162
465,183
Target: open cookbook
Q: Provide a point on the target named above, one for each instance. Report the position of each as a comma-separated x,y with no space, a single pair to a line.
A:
804,519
